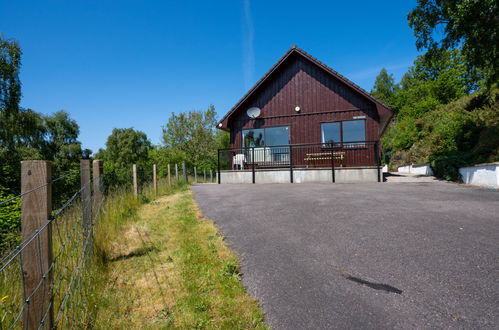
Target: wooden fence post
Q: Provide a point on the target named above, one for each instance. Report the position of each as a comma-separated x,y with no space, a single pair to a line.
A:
86,194
184,172
211,175
195,175
169,177
135,183
98,172
36,256
154,179
176,172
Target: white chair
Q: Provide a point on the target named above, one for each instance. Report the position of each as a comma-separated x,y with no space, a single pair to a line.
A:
238,162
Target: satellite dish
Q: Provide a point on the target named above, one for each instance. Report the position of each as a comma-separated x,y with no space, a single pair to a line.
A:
253,112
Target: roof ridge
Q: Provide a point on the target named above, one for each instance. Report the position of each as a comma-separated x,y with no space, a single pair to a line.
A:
292,49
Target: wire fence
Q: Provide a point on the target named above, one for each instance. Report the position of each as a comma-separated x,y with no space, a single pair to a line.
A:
46,286
46,278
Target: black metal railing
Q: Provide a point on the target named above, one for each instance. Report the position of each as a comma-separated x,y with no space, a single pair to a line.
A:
308,155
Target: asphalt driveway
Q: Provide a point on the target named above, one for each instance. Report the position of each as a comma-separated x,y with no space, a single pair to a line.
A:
382,255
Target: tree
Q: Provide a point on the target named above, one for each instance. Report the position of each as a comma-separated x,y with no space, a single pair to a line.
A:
470,24
10,85
124,147
191,137
61,146
431,82
384,87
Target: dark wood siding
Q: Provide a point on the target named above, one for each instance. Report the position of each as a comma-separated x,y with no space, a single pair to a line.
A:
321,97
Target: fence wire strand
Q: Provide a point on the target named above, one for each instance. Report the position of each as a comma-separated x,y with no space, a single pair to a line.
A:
38,187
64,278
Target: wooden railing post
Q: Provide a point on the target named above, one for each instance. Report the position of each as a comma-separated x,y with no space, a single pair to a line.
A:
204,175
98,172
135,182
169,177
36,256
195,175
184,172
154,179
86,194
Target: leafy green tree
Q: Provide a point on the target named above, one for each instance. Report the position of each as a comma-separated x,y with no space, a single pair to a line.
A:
431,82
470,24
10,85
21,130
61,146
191,137
384,87
124,147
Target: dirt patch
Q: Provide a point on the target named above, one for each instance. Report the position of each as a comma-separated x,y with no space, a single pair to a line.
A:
131,244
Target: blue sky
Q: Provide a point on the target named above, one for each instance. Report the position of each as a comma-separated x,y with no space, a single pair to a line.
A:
131,63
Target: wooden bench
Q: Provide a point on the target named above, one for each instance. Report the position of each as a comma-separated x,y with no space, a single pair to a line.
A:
338,155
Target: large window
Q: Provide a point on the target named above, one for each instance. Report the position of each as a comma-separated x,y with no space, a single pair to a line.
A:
346,131
269,136
354,130
264,141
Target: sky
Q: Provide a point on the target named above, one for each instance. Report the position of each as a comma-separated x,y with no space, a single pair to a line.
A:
119,64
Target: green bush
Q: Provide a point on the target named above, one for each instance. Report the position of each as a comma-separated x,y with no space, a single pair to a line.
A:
447,167
10,222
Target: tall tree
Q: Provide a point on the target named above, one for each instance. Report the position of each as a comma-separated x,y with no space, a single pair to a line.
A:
191,137
384,88
10,85
470,24
124,147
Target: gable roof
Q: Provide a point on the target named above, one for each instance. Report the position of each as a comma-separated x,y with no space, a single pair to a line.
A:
295,50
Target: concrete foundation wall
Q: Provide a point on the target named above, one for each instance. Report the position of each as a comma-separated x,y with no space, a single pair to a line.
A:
301,176
481,175
236,177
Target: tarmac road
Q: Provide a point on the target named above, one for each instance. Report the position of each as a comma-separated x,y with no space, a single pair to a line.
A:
380,255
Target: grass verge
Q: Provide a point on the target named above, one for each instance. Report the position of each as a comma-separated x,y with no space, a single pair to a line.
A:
164,266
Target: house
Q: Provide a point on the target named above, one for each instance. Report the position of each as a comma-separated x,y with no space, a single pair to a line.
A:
303,122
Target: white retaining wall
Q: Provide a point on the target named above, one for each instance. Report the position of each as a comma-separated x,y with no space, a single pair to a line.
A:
423,169
301,176
481,175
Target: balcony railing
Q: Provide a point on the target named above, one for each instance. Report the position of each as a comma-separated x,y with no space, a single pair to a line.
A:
309,155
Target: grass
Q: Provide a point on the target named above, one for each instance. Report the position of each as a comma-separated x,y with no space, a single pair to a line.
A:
164,266
154,263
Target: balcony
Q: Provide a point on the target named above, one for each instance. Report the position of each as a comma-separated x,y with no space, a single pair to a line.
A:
326,159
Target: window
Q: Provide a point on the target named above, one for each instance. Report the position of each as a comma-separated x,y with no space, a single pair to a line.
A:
354,130
277,136
262,139
269,136
330,132
346,131
253,138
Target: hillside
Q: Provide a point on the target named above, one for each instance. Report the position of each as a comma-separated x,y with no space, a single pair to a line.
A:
462,132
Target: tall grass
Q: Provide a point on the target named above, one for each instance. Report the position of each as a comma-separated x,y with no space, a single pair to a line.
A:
167,267
79,264
152,262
